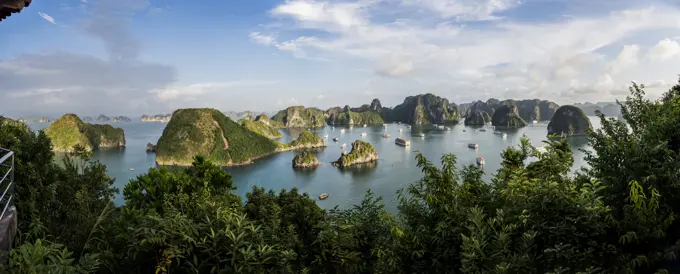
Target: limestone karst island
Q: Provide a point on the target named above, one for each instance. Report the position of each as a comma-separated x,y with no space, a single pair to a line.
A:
343,136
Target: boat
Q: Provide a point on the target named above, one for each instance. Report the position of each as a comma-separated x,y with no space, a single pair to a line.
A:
363,134
325,136
344,145
342,130
497,132
365,125
440,126
323,196
473,145
402,142
335,139
132,169
535,122
504,135
482,129
400,130
384,125
385,135
422,135
464,131
480,161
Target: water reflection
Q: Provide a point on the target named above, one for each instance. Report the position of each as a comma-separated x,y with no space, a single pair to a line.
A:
359,170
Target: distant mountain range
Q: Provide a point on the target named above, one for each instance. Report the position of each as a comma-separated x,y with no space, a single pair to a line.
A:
609,109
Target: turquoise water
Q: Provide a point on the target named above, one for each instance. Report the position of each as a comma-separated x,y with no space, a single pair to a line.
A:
396,168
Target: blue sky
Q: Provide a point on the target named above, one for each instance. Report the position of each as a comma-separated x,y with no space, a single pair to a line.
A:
139,56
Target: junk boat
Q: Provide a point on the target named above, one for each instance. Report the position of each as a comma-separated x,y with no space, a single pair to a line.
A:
480,161
385,135
471,145
323,196
402,142
335,139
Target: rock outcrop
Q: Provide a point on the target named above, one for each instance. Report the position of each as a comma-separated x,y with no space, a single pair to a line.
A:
306,139
507,116
119,119
8,7
478,114
69,131
305,160
299,116
103,118
163,118
424,109
264,126
150,147
366,114
569,121
362,152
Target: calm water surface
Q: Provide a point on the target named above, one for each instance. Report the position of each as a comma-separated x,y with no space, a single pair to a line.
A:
396,168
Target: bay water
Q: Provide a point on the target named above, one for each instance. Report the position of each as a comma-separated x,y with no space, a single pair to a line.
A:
395,169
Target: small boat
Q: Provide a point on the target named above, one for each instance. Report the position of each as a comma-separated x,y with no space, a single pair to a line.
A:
464,131
325,136
535,122
480,161
400,130
384,125
132,169
335,139
402,142
385,135
497,133
482,129
440,126
504,135
363,134
323,196
422,135
342,130
473,145
365,125
344,145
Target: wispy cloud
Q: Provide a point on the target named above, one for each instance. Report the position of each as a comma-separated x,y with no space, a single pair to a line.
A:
190,92
47,18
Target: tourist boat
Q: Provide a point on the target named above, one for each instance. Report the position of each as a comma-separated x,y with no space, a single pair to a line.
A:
325,136
535,122
385,135
497,132
482,129
480,161
504,135
464,131
365,125
342,130
132,169
323,196
363,134
440,126
344,145
422,135
335,139
402,142
473,145
384,125
400,130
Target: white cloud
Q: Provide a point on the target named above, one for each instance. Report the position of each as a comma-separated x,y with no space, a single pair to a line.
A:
191,92
528,58
47,18
664,50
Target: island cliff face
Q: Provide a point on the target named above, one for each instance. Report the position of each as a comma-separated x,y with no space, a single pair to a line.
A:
69,130
478,114
507,116
299,116
424,109
209,133
263,126
305,160
569,121
362,152
528,110
366,114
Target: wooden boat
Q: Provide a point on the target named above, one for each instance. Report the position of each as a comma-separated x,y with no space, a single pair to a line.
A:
323,196
402,142
472,145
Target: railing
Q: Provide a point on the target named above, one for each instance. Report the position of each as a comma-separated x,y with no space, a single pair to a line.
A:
6,186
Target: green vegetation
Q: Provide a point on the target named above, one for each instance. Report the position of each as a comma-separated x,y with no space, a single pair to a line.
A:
307,139
507,116
424,109
618,215
69,131
362,152
209,133
305,159
570,121
261,127
369,117
299,116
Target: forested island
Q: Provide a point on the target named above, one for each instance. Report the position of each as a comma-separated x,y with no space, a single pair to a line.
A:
70,131
617,215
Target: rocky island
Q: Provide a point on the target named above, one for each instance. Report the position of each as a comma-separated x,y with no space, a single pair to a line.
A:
209,133
299,116
424,109
478,114
88,119
362,152
69,131
103,118
569,121
305,160
119,119
507,116
366,114
163,118
264,126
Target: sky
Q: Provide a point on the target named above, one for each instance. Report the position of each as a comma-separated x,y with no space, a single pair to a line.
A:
133,57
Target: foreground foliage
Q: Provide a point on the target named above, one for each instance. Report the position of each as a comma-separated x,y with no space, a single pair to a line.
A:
617,216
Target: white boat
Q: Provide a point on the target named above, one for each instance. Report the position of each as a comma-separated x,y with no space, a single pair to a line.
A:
365,125
132,169
363,134
335,139
440,126
325,136
535,122
422,135
497,133
323,196
384,125
344,145
402,142
386,135
342,130
400,130
480,161
473,145
504,135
